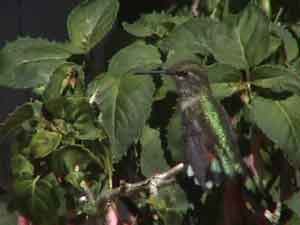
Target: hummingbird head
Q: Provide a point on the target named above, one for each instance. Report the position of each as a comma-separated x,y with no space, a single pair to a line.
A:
185,71
190,77
188,71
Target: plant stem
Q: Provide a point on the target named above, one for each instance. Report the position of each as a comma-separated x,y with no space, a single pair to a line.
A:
155,181
278,15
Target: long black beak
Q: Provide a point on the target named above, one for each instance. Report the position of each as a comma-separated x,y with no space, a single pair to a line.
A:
154,72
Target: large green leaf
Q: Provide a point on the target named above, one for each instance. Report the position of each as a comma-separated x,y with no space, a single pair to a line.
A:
29,63
229,43
44,142
226,89
125,103
276,78
289,42
90,21
270,71
16,119
78,113
152,156
275,43
178,55
158,24
199,36
224,79
280,121
253,34
226,47
184,40
220,73
135,56
38,198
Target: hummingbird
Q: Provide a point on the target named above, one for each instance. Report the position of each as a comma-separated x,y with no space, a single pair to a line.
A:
210,144
211,148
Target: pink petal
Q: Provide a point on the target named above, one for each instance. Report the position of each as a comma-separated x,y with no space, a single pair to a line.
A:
111,216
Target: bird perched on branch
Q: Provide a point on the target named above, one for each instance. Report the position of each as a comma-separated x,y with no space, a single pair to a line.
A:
212,154
211,147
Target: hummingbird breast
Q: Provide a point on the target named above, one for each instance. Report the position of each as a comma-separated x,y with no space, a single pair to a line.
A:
210,144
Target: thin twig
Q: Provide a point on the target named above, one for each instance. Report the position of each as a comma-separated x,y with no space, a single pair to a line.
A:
154,182
195,7
278,15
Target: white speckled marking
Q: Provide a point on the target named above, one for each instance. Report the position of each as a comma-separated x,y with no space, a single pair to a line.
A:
190,171
209,184
196,181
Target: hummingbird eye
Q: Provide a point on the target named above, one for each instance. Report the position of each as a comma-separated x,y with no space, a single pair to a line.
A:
181,73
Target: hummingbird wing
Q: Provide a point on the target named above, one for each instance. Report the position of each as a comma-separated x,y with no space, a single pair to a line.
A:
210,144
199,153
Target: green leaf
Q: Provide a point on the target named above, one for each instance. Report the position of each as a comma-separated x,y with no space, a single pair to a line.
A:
223,90
275,43
43,143
66,76
276,78
16,119
21,167
77,112
37,198
295,220
67,158
224,79
270,71
289,42
90,21
186,39
280,123
295,28
6,217
159,24
294,203
171,204
220,73
199,36
296,65
152,156
233,52
135,56
254,35
168,86
178,55
29,63
175,137
125,104
75,178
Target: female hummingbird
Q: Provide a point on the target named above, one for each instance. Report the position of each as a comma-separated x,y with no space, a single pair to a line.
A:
211,148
